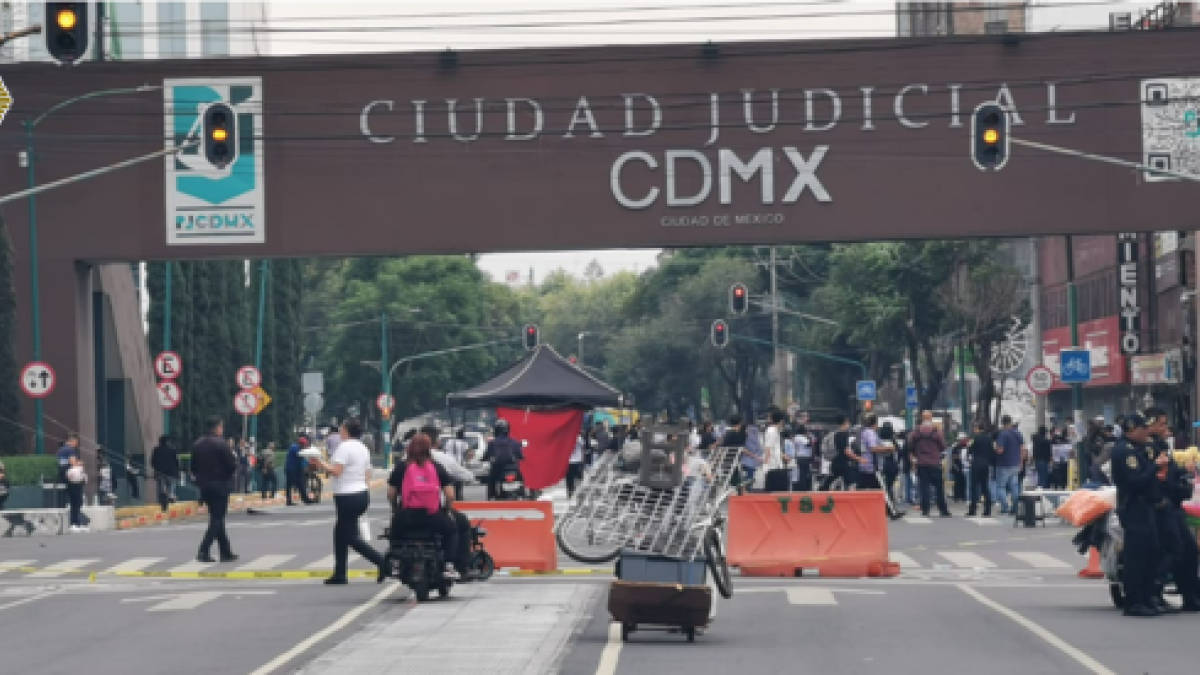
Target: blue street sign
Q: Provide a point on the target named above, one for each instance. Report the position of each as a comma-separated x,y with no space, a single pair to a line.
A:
865,390
1075,366
910,397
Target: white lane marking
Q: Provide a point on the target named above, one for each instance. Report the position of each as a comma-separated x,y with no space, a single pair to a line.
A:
265,562
59,569
34,598
184,601
193,566
964,559
811,596
918,520
982,521
1041,560
325,563
334,627
134,565
1050,638
611,653
310,523
904,560
6,565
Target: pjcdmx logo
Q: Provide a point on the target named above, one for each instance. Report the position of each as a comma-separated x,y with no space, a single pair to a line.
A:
205,204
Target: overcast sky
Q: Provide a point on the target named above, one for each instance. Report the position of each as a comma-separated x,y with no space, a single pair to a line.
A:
490,24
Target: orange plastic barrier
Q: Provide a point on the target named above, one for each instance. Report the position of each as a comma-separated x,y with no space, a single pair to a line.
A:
519,534
838,534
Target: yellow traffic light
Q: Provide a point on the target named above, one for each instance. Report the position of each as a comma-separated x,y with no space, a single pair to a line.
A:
991,136
219,135
67,19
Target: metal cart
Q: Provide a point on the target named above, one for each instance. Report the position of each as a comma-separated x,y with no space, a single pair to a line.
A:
666,529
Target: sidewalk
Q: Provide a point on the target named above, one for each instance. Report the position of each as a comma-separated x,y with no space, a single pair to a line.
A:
133,517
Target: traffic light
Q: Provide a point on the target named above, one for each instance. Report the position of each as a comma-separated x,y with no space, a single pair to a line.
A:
531,337
739,299
990,137
220,135
720,334
66,31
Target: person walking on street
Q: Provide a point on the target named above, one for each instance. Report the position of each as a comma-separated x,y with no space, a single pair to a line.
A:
752,458
350,466
803,443
1178,540
735,437
981,463
574,468
927,448
165,462
777,478
70,474
1043,456
891,462
1139,495
1010,446
5,485
293,473
958,467
214,466
268,482
842,457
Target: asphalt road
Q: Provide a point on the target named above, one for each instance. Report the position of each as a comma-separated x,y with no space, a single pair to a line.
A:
973,594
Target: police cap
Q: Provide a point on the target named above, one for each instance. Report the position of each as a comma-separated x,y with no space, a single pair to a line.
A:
1133,421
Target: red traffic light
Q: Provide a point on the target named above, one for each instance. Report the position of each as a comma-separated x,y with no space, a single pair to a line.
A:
720,334
738,299
531,337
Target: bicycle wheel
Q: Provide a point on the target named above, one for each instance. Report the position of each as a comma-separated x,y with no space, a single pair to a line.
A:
577,538
718,566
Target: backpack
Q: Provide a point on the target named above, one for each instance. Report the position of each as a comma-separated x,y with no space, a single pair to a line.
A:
829,447
421,488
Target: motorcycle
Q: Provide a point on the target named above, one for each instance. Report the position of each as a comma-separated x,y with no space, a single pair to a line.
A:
416,559
480,565
511,486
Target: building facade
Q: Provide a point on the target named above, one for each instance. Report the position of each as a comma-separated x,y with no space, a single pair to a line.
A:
933,19
173,29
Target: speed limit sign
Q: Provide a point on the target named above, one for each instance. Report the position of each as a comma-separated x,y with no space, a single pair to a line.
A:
1040,380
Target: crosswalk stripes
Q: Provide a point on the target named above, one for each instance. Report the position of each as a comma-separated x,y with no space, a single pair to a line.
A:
982,521
322,564
1040,560
64,567
905,561
134,565
265,562
193,566
918,520
6,565
967,559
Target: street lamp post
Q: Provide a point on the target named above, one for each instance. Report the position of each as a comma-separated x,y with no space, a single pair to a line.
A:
34,290
581,336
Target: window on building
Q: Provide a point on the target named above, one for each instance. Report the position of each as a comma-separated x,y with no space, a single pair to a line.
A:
172,30
995,11
125,30
214,29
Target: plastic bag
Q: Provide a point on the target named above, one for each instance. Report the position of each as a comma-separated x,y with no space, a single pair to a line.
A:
1084,507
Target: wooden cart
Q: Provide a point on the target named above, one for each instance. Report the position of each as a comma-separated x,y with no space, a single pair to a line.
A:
658,606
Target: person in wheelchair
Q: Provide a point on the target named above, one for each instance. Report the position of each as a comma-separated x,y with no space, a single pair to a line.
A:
420,491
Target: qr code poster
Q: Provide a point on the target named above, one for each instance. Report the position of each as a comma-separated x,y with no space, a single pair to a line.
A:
1171,126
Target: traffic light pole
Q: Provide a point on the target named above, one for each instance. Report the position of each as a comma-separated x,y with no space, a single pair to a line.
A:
1084,460
264,270
386,427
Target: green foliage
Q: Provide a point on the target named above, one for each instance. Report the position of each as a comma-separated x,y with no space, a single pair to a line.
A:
12,440
31,469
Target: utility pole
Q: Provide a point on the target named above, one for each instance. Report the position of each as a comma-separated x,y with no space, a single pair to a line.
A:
1035,324
167,339
777,379
1076,389
264,270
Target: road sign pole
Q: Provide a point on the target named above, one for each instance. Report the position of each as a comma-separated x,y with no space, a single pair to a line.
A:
263,270
908,382
964,412
167,337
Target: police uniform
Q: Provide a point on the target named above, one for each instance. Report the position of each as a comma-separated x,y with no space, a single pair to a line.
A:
1133,472
1179,546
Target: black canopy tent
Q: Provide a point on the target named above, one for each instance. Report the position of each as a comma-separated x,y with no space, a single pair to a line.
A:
542,379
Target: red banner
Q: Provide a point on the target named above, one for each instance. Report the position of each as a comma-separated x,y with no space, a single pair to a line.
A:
551,437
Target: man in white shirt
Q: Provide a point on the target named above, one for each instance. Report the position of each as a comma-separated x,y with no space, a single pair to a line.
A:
778,478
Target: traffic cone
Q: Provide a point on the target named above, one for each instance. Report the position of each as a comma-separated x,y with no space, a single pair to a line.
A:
1092,571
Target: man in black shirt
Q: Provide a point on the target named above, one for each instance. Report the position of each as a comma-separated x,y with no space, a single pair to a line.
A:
735,437
213,468
983,458
503,452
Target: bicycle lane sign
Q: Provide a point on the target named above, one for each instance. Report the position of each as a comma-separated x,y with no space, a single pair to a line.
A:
1076,366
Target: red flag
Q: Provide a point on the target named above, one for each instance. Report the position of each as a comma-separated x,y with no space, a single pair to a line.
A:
551,437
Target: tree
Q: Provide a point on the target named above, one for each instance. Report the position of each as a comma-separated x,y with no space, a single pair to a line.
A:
11,436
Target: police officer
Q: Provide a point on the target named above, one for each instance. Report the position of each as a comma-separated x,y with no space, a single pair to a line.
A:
1139,494
1182,556
503,452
